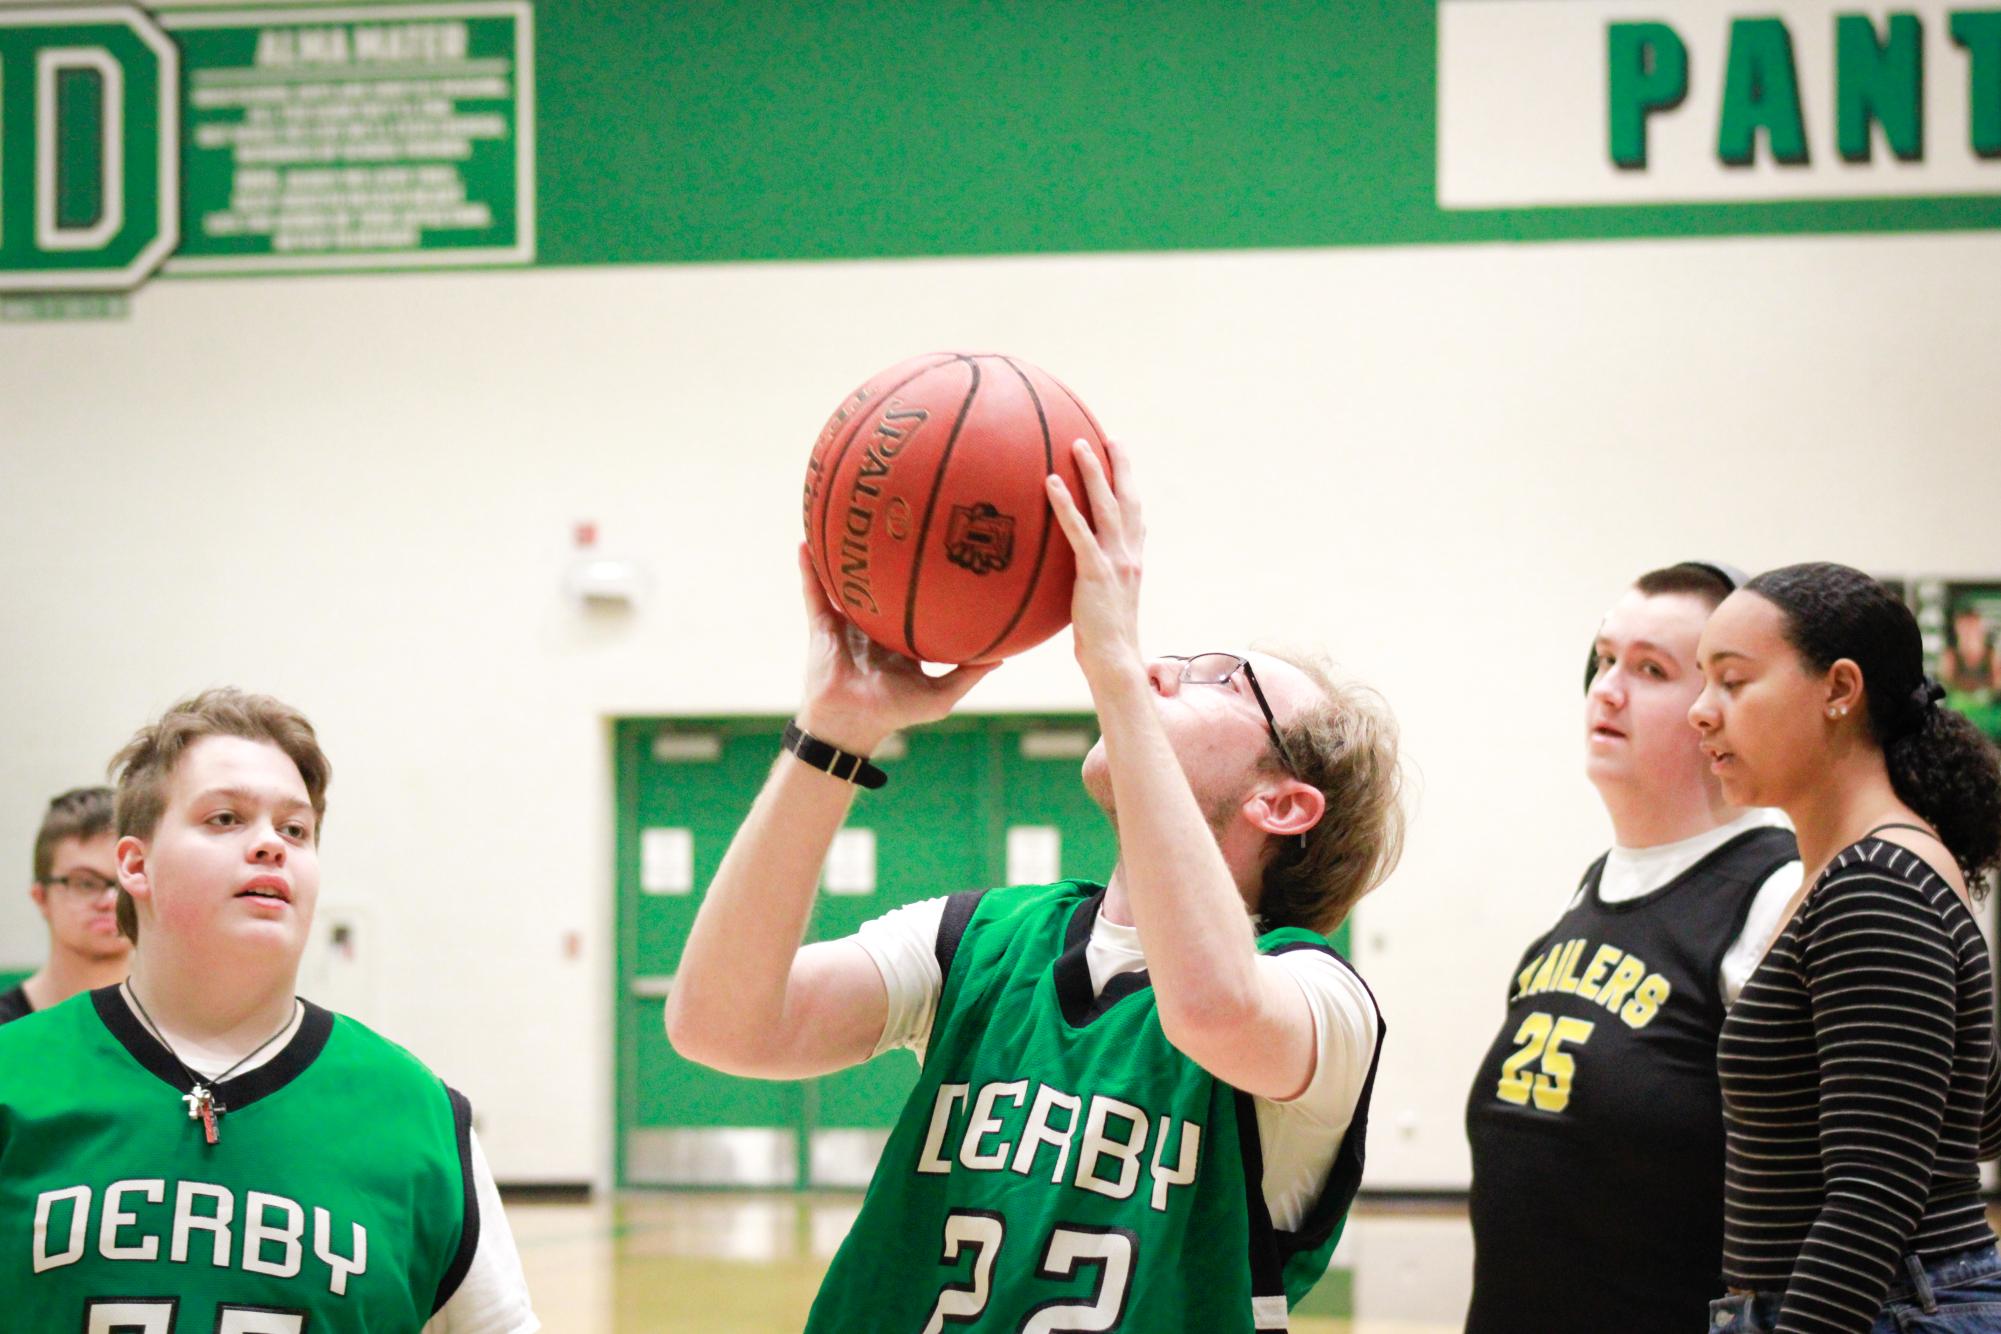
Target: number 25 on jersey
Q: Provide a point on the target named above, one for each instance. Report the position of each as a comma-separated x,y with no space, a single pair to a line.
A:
1540,1039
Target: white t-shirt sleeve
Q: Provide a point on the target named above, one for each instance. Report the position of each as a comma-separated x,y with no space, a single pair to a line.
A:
493,1297
904,945
1301,1135
1760,925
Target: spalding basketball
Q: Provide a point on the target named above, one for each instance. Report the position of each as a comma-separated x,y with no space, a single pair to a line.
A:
926,516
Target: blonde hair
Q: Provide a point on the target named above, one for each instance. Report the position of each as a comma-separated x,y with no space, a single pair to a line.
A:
146,764
1345,744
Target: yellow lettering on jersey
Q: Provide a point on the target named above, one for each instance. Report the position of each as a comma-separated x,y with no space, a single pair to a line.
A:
1542,974
1646,1002
1517,1080
1522,982
1624,978
1566,969
1559,1068
1541,1039
1594,976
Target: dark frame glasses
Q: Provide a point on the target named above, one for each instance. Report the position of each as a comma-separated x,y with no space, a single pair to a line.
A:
1215,669
83,884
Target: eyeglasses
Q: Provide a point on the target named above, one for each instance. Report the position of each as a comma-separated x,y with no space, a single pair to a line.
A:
1216,669
81,884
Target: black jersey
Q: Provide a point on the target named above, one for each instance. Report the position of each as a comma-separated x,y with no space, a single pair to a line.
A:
1595,1122
14,1004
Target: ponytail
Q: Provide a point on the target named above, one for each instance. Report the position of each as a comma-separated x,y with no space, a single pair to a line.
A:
1950,774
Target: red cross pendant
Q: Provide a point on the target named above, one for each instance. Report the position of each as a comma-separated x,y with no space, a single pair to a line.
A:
201,1107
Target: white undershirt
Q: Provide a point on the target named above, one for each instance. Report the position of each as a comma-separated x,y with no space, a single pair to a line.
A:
1299,1136
493,1296
1632,873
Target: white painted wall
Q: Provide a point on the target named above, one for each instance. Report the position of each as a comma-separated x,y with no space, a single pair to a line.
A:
357,493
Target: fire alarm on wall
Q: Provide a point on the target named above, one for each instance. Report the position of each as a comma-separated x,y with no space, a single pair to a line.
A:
598,579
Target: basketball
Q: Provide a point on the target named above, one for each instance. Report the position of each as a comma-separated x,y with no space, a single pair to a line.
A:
925,512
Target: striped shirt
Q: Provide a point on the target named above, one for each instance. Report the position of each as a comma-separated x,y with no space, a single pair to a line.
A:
1855,1071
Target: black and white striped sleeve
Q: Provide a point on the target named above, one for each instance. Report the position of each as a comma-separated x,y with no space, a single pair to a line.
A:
1990,1112
1880,968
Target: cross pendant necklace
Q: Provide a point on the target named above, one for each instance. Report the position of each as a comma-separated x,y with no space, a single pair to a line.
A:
200,1096
201,1107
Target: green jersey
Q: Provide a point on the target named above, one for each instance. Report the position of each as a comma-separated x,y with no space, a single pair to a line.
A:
337,1195
1060,1166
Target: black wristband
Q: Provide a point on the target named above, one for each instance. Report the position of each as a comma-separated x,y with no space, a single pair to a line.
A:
842,764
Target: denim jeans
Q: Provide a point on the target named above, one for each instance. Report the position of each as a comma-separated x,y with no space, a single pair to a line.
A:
1956,1294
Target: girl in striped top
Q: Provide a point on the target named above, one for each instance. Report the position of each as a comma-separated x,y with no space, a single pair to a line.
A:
1855,1064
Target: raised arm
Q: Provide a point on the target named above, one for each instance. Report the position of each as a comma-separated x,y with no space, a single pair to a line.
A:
747,998
1233,1012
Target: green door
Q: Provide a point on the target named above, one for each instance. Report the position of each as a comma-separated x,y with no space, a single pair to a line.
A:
942,824
972,802
682,788
925,835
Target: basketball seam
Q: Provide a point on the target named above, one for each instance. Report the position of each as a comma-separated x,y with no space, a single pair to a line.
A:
930,508
1096,429
1048,516
833,466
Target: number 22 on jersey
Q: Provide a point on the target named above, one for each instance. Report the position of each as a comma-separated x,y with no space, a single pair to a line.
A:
1110,1250
142,1315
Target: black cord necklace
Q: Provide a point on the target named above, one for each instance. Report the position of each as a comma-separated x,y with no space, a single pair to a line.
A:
200,1099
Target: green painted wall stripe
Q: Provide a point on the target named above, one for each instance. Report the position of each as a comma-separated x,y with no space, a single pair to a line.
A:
800,130
683,132
794,130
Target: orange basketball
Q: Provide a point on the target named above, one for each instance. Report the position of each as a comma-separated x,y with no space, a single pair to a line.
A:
925,511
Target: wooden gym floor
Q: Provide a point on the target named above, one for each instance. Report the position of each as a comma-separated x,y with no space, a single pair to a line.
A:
681,1263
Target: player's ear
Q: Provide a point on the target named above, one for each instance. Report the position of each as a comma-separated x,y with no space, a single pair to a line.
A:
40,895
1844,687
133,876
1289,810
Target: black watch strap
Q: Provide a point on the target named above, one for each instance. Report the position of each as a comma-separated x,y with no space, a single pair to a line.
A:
842,764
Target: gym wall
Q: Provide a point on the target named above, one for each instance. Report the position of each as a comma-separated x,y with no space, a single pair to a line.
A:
1436,438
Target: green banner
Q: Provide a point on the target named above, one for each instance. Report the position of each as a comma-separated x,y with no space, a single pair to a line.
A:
578,133
355,137
263,139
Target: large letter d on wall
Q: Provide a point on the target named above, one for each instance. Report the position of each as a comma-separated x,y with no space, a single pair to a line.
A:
89,148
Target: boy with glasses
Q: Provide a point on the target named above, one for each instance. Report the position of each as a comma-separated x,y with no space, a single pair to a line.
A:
76,890
1142,1103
